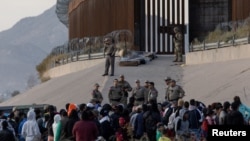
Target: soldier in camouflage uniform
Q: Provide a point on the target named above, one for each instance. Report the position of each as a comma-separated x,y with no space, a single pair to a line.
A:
125,86
110,50
178,44
175,92
139,93
168,83
96,94
146,86
153,93
115,94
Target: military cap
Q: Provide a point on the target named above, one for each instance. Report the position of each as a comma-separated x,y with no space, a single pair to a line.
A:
107,39
173,80
97,85
167,78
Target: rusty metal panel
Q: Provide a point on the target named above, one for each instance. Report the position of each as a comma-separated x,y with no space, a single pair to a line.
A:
240,9
145,17
99,17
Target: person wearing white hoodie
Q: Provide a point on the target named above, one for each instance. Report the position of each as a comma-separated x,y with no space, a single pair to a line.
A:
30,130
56,127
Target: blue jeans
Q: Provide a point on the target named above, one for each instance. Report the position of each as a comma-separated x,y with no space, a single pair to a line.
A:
196,134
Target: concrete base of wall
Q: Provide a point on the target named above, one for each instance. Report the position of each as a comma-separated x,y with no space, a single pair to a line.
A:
72,67
218,55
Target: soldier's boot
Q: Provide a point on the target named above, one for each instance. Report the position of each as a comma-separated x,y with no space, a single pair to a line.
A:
179,57
175,60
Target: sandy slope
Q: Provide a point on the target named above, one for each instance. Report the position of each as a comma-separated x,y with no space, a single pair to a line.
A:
209,83
77,87
218,82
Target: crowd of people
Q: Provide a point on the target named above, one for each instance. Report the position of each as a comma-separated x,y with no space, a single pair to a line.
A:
132,114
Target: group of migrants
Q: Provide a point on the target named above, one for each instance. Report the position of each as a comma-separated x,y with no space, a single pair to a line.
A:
142,117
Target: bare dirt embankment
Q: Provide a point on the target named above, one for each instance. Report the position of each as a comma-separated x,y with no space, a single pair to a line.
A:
211,82
218,82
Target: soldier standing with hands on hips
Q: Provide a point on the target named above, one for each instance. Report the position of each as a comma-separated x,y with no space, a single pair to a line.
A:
110,50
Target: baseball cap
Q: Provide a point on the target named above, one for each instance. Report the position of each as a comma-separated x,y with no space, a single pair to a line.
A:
107,39
104,112
167,78
173,80
90,105
96,84
121,75
146,81
164,104
137,81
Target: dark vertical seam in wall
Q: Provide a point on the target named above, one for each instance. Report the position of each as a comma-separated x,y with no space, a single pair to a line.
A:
153,20
183,24
163,25
178,16
148,12
158,25
168,23
142,28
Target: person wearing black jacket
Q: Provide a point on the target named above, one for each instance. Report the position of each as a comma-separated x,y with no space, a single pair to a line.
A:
5,133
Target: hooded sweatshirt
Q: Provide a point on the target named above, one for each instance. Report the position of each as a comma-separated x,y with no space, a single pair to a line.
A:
181,124
56,127
30,130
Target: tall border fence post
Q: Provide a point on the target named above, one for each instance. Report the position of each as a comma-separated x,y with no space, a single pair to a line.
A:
191,47
71,56
204,45
248,38
53,64
77,56
234,40
89,54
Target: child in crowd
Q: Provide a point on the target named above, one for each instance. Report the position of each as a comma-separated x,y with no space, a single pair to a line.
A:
165,135
159,131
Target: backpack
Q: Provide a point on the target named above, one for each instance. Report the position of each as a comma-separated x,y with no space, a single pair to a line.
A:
166,116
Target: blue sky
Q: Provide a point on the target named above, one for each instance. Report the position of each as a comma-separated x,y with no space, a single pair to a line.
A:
14,10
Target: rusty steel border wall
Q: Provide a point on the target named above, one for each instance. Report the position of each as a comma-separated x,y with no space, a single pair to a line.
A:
95,18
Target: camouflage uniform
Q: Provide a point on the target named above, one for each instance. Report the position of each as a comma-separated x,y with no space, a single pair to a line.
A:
115,95
178,39
97,95
110,56
146,87
152,94
125,86
167,81
174,93
140,95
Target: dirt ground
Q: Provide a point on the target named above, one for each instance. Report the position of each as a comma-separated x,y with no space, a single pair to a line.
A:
215,82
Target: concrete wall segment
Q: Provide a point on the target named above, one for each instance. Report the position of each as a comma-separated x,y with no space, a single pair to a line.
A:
218,55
